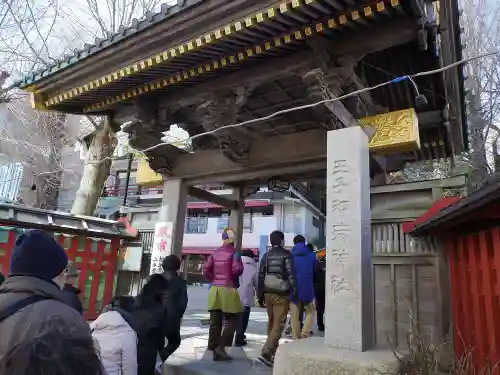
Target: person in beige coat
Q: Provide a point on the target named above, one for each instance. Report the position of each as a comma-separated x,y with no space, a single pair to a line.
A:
116,341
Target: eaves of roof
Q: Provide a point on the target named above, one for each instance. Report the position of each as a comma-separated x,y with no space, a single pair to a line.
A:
138,25
462,209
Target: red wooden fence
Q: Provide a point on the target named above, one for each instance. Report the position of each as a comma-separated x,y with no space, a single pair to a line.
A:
97,260
475,278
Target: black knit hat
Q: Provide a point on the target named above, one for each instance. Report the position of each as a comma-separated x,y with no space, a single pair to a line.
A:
36,253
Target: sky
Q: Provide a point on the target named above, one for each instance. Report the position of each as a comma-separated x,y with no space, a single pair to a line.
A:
34,33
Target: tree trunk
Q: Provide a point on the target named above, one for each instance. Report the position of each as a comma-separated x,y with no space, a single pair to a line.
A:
48,185
96,170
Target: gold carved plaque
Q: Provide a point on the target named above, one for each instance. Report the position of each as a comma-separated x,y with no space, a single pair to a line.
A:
395,131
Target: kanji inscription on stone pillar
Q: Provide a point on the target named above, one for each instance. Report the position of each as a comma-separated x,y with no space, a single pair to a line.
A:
349,306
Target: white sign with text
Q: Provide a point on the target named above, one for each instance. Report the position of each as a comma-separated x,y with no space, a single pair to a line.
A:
162,246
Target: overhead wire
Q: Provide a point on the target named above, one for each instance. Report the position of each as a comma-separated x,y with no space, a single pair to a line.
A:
409,77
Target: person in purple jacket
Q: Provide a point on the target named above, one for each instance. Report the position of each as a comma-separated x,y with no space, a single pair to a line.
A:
222,269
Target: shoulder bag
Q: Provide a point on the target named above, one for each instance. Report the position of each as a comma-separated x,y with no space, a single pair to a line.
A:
274,284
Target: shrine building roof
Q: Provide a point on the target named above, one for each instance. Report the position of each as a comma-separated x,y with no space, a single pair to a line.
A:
276,29
200,45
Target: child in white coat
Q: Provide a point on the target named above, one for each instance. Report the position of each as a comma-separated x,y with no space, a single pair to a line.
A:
116,340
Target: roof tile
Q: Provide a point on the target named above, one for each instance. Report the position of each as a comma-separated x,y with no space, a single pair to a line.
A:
123,31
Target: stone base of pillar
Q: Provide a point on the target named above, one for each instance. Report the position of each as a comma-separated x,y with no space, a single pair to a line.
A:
312,356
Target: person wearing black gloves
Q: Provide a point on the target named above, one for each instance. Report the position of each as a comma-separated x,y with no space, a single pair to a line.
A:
277,282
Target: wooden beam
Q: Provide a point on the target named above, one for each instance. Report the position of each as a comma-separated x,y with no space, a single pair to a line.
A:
367,41
274,68
212,198
296,153
260,174
358,44
293,149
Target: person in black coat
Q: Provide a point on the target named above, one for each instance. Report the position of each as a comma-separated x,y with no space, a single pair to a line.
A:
175,300
2,278
70,292
159,309
319,291
151,324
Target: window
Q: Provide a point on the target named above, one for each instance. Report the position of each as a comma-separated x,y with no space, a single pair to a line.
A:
315,222
222,224
196,225
247,223
267,211
10,180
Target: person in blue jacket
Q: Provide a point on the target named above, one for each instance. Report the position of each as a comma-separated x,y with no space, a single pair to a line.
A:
305,269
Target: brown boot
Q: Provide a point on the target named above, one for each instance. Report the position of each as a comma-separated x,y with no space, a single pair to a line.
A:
221,355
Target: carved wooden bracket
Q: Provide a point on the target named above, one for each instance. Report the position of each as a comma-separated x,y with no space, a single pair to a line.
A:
162,159
221,109
339,76
361,105
147,114
321,87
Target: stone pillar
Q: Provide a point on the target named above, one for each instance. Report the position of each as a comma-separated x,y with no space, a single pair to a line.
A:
237,215
173,209
349,293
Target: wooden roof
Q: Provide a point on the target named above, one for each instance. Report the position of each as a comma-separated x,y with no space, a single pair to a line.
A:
275,30
477,211
209,45
54,221
125,31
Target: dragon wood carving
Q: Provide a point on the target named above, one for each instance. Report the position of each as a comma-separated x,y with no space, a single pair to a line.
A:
220,109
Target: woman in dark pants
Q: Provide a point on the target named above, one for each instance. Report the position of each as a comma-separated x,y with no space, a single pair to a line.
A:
221,269
247,290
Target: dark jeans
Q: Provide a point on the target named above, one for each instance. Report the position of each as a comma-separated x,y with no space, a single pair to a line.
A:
320,311
218,337
174,341
242,325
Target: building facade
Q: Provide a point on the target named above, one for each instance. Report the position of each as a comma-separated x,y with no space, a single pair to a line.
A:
265,211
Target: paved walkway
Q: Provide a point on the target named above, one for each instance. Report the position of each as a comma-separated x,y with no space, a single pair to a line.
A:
191,358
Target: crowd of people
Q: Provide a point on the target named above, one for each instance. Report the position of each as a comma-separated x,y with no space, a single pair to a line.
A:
43,330
285,282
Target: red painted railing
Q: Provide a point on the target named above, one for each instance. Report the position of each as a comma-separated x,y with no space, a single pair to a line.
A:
97,260
475,279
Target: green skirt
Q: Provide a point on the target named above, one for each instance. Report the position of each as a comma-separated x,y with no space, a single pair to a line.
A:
225,299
